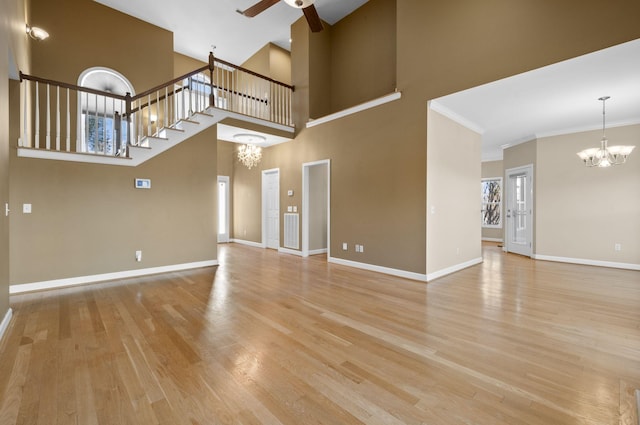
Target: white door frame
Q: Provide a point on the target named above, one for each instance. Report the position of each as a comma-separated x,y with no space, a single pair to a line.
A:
528,170
275,171
224,237
305,205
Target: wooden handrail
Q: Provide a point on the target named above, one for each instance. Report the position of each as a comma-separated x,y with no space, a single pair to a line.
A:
248,71
71,86
169,83
151,90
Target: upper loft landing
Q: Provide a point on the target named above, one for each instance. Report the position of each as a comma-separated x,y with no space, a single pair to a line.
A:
73,123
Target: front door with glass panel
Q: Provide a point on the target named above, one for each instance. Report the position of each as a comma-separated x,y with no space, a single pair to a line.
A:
519,209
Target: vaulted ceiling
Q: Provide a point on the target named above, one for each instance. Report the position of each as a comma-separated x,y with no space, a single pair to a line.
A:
556,99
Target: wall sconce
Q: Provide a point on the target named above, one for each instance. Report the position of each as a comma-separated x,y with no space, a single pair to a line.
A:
37,33
153,118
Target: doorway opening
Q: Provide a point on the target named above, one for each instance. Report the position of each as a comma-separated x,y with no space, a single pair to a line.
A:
316,177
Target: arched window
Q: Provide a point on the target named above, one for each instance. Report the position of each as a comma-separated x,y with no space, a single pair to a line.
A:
101,125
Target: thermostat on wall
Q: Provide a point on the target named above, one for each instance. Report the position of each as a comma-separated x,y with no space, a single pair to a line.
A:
143,183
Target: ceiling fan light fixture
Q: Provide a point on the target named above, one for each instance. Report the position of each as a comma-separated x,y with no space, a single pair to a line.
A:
299,4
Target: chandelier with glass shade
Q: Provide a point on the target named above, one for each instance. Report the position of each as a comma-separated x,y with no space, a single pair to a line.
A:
249,154
605,155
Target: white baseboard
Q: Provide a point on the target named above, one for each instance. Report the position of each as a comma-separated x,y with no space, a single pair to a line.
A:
82,280
248,243
318,251
5,323
628,266
492,239
290,251
379,269
453,269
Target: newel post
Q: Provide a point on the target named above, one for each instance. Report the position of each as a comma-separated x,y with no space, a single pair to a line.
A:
211,66
127,101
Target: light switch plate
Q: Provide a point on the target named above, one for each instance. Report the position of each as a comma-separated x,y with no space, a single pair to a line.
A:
26,208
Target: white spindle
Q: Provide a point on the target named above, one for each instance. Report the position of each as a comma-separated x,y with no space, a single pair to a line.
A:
48,131
289,113
104,125
57,118
85,146
68,132
166,107
36,142
96,144
24,114
175,105
148,115
113,127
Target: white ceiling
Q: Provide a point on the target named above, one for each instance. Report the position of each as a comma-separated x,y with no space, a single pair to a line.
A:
199,24
557,99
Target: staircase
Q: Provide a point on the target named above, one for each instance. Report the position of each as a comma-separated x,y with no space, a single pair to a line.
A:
151,122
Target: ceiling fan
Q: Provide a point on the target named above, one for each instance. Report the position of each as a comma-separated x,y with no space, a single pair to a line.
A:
307,7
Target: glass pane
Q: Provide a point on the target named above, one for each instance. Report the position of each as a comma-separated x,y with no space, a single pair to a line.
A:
491,192
520,210
222,208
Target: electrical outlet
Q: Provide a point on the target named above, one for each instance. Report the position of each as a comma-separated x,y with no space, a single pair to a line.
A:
617,247
345,246
361,248
138,256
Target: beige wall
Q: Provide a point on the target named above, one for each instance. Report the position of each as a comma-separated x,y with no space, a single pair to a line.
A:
184,64
583,212
86,33
453,175
363,55
493,169
88,219
226,156
379,156
4,163
318,207
247,203
14,53
346,64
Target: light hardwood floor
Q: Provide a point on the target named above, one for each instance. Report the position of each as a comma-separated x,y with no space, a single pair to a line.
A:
276,339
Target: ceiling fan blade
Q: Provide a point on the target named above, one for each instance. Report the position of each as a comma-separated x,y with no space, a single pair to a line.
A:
259,7
313,18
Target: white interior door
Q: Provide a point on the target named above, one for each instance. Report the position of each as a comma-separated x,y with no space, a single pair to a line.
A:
519,208
271,208
223,209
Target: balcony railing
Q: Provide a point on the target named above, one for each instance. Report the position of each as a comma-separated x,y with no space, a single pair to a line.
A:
64,117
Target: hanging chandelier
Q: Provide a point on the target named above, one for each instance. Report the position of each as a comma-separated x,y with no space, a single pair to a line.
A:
249,154
605,155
